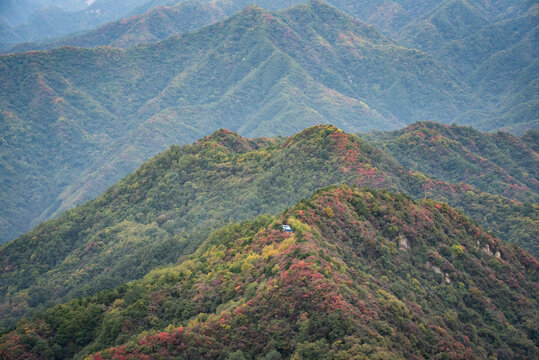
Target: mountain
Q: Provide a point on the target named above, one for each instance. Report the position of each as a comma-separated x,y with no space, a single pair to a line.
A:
531,139
166,208
15,12
492,53
497,163
67,134
178,16
451,20
38,20
412,22
414,264
157,20
363,274
156,24
477,41
102,128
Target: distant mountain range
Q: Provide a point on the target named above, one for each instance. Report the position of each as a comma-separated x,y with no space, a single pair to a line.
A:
363,274
134,225
477,41
16,12
73,121
428,21
166,208
33,20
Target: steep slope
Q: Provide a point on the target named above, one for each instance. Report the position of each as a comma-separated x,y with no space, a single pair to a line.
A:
364,274
498,163
179,16
258,73
531,139
489,46
466,54
451,20
401,19
395,17
156,23
510,78
168,206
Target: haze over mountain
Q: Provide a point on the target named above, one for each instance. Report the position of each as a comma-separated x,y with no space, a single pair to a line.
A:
31,20
167,207
478,41
404,20
339,95
408,237
290,70
364,274
143,101
15,12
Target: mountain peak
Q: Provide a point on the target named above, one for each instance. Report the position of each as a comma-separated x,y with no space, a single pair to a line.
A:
358,263
254,11
317,131
234,142
223,133
186,192
327,12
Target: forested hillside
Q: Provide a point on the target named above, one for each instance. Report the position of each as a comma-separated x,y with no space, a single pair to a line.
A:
158,23
497,163
364,274
415,23
307,65
291,69
488,45
167,207
169,187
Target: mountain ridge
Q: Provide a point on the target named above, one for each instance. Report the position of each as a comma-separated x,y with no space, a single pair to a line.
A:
165,208
365,273
462,154
141,96
51,20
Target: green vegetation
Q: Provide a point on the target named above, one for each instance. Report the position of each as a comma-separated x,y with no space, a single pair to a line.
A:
148,97
168,206
403,253
497,163
74,121
531,139
158,23
378,276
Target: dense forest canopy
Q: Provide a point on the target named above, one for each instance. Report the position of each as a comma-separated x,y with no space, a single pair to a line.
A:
364,274
170,186
74,121
166,208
